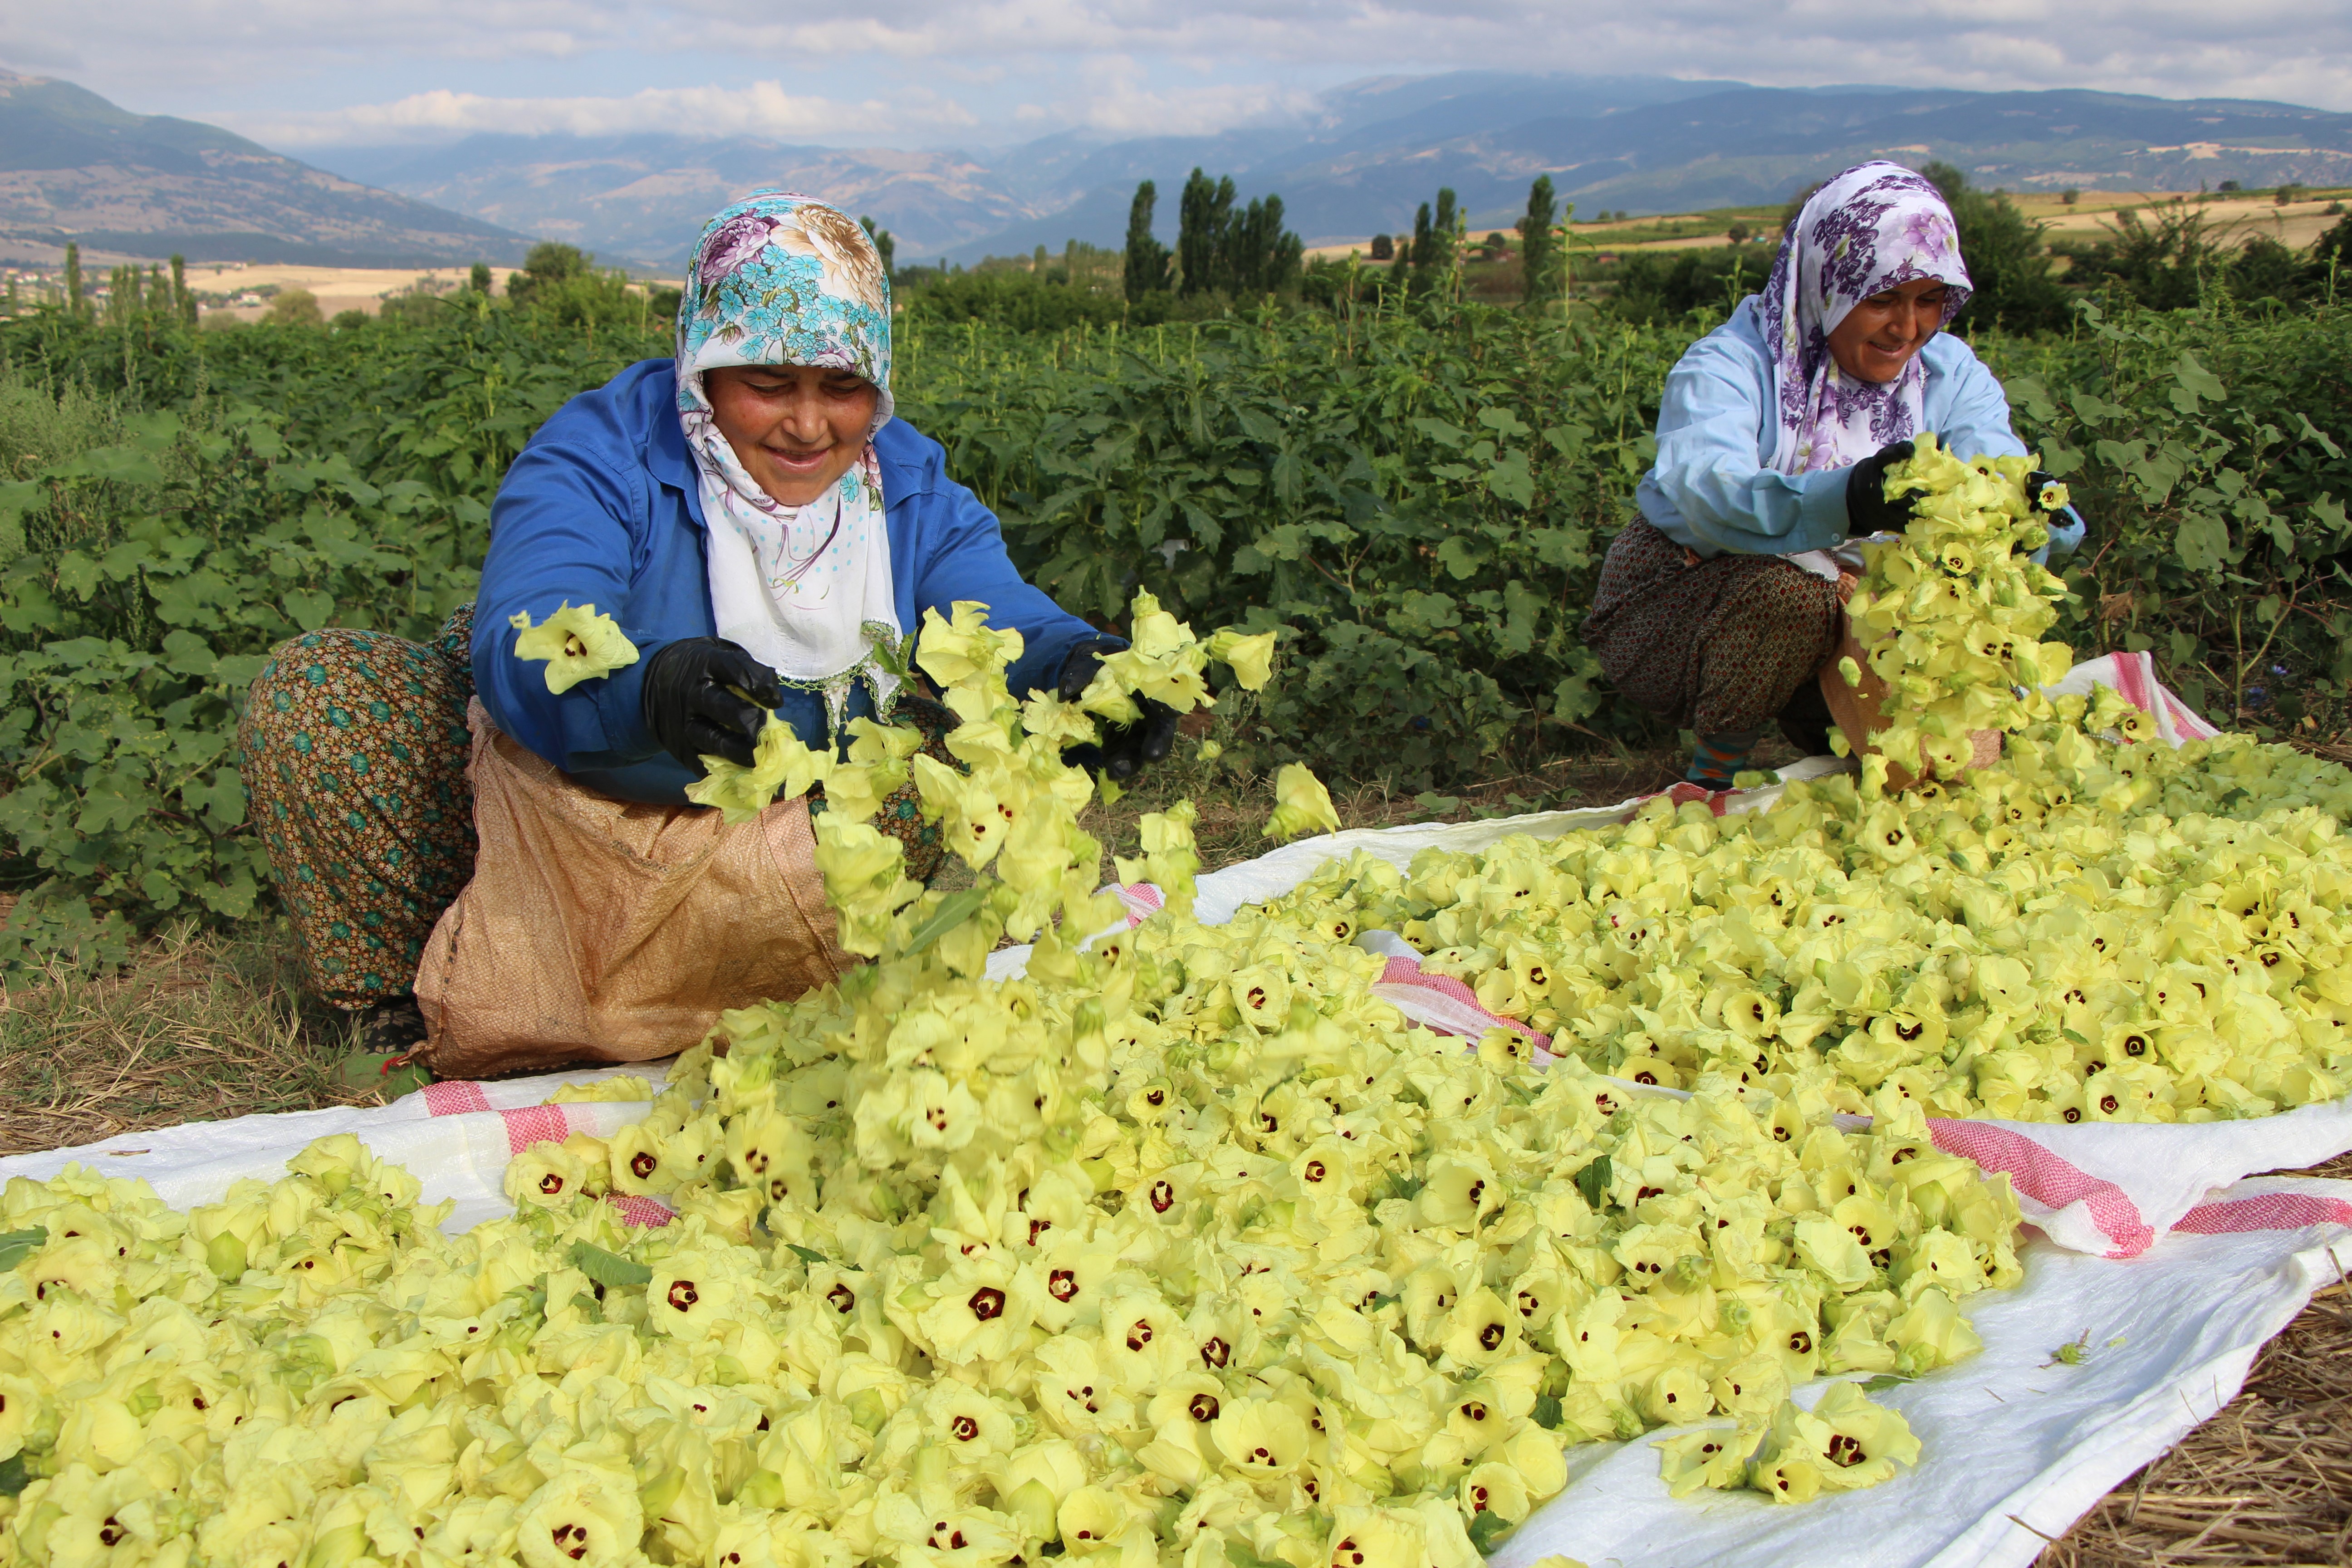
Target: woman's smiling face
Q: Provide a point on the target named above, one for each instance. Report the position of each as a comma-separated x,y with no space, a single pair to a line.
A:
795,428
1881,333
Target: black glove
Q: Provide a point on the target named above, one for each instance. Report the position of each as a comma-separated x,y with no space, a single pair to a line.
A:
2036,483
1124,747
689,708
1867,509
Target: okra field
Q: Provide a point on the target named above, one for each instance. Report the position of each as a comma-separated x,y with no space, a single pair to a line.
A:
1417,498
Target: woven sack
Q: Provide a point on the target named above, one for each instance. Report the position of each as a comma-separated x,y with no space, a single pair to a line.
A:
607,930
1859,709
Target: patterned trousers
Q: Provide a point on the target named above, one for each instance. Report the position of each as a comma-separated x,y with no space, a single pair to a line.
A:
355,749
1723,645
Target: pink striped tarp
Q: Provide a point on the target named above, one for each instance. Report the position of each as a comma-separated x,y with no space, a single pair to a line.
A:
529,1124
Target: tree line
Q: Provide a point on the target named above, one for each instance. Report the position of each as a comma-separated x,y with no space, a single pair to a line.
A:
1222,247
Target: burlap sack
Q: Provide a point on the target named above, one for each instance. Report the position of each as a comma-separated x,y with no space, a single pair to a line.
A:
596,929
1859,709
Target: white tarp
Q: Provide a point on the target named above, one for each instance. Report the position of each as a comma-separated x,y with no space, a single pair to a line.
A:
2014,1448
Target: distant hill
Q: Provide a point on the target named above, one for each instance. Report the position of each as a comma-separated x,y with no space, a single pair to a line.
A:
75,166
1374,149
643,198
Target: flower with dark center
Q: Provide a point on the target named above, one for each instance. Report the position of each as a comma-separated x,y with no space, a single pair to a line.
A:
964,1427
1216,1353
1062,1284
1491,1336
1164,1196
642,1165
1139,1334
1801,1341
987,1302
683,1295
550,1184
1203,1408
1475,1409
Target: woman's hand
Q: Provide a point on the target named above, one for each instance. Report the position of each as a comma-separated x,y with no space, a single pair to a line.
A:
1124,747
1867,508
706,697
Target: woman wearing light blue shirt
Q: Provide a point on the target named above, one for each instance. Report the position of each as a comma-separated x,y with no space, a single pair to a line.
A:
1718,605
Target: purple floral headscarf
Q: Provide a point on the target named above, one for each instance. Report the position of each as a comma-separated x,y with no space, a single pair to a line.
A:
1875,227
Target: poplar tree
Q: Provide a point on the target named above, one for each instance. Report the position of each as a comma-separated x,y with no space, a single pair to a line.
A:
1147,259
73,278
885,245
1261,255
183,299
1204,212
1538,248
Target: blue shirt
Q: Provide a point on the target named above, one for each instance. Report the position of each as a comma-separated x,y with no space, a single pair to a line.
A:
604,508
1714,489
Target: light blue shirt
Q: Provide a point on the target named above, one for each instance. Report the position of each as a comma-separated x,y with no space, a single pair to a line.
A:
1714,489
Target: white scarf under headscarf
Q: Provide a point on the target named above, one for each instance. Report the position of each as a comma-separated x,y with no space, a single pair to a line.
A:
779,278
806,590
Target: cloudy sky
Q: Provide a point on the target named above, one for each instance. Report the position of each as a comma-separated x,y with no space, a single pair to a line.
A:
304,73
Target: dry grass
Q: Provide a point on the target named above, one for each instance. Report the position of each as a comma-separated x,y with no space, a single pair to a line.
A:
202,1026
2268,1481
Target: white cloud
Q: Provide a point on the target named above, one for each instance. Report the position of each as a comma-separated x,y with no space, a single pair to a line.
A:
762,109
917,69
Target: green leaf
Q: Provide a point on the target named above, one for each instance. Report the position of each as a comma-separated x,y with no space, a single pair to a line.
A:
1593,1182
1884,1381
122,464
1241,1556
2202,542
807,1254
609,1270
1460,556
1510,479
2195,382
1547,1412
77,574
14,1476
185,653
17,1245
1486,1530
951,912
309,609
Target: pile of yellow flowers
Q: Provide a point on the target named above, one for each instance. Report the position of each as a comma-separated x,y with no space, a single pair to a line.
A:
1182,1249
2088,930
1949,610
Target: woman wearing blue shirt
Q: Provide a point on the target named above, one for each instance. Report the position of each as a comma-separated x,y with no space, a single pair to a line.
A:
762,529
1718,605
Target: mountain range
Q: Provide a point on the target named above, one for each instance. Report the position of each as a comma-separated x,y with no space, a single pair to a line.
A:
75,166
1374,150
72,164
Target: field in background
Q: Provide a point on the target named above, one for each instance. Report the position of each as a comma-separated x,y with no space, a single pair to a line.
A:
2232,218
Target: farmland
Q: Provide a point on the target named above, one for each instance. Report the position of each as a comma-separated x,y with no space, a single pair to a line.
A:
1415,494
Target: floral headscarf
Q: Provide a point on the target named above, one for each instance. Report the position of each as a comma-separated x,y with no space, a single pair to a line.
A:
781,278
1875,227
